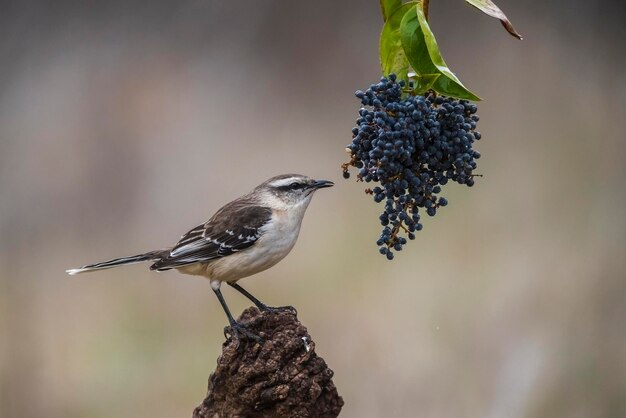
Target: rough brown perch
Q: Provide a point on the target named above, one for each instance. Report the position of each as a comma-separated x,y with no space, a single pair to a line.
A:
278,378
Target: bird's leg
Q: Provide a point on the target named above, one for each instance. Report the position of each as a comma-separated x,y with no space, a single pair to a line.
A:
237,329
258,303
262,307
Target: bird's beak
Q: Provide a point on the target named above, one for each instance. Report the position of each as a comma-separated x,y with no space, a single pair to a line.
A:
320,184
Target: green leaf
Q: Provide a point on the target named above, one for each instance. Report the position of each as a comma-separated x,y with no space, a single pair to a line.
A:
488,7
421,50
424,82
392,57
387,7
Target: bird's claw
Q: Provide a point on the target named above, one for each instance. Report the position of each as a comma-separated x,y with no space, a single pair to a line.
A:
238,330
278,309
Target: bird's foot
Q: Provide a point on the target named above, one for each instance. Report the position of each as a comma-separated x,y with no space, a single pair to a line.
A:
278,309
237,331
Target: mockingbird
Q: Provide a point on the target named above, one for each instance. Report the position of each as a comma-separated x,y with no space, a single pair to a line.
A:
246,236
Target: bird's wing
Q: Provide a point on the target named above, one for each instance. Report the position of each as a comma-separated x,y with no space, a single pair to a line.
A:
233,228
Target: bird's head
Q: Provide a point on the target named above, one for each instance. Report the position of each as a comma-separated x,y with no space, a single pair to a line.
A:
289,190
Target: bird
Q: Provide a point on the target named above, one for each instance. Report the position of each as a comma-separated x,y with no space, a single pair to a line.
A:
244,237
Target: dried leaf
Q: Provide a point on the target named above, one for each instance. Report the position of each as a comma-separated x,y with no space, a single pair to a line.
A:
489,8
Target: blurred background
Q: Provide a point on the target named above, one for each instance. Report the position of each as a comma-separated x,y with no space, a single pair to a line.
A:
124,124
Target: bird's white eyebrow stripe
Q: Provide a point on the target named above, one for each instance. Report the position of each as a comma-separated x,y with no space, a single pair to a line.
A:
285,182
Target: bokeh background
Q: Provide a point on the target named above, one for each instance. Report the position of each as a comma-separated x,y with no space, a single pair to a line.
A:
123,124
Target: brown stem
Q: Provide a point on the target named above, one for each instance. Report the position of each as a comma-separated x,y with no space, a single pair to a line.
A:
425,4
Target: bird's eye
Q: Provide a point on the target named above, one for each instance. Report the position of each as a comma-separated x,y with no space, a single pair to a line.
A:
295,186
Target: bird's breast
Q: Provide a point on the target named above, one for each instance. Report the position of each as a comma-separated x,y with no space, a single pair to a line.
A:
279,236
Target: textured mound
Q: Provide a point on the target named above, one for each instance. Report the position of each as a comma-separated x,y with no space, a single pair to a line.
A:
279,377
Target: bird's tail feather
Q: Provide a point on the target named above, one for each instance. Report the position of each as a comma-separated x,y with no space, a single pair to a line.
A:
149,256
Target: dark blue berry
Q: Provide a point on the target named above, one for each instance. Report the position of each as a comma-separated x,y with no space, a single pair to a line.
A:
412,146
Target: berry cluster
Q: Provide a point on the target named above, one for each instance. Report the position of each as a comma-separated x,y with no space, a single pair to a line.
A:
412,145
